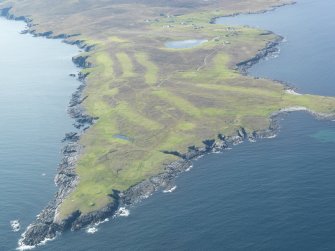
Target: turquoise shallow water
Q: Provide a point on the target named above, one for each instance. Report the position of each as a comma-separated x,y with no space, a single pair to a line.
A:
276,194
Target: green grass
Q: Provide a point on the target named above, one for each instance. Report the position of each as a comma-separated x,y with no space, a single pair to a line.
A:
218,70
151,74
161,99
201,96
115,39
134,117
126,64
178,102
104,65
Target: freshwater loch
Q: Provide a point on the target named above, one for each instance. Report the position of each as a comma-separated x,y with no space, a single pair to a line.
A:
275,194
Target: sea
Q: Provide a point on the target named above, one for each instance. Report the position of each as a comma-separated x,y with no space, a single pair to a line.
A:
274,194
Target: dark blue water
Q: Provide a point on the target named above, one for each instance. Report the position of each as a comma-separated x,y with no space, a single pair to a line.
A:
276,194
271,195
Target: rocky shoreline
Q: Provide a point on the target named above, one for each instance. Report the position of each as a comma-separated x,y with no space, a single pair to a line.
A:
45,227
213,20
47,224
271,49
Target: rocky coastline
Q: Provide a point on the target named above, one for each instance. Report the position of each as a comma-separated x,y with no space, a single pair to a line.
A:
270,50
47,224
45,227
213,20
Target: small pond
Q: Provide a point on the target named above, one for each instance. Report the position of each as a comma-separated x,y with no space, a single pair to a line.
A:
185,44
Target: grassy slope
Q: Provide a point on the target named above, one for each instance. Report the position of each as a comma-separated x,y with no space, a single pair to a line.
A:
161,99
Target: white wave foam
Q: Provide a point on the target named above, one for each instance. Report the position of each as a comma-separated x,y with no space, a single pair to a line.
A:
15,225
94,228
91,230
294,109
189,168
292,92
100,222
145,196
199,157
22,247
272,136
170,190
123,212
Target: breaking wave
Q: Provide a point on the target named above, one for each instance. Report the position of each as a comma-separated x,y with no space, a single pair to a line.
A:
170,190
122,212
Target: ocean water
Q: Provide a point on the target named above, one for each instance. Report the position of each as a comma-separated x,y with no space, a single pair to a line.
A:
276,194
35,89
306,58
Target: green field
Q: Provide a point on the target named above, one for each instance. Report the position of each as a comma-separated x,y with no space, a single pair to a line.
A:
161,99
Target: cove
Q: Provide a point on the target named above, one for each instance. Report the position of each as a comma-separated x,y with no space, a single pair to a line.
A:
306,58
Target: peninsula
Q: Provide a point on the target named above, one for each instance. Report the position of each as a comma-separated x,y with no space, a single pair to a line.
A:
161,84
